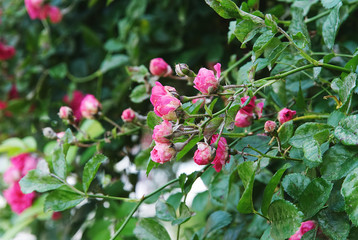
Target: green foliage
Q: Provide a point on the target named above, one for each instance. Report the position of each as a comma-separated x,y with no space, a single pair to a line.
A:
90,170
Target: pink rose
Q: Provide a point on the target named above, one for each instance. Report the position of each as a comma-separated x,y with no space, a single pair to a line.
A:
270,126
203,155
17,200
128,115
164,102
54,13
222,155
65,113
250,106
243,118
90,106
24,162
258,109
305,227
206,81
6,52
162,152
296,236
75,102
162,130
285,115
12,174
159,67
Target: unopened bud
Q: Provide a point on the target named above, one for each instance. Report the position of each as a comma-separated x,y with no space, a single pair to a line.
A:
270,126
65,113
49,133
182,70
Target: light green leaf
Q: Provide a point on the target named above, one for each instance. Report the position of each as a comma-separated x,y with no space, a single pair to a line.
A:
139,94
184,214
285,219
60,200
330,26
92,128
262,42
35,180
188,147
200,201
314,197
153,120
113,61
347,131
219,189
149,229
59,161
164,211
90,170
59,71
294,184
330,3
225,8
350,193
247,175
345,89
245,30
216,221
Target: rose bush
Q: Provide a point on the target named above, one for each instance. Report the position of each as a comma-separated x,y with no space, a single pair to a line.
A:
253,137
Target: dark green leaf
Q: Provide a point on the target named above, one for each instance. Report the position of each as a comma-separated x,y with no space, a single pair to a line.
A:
286,132
247,175
59,71
216,221
175,199
113,61
188,147
334,225
307,131
262,42
219,189
142,157
350,193
35,180
184,214
335,117
60,200
275,53
153,120
270,189
90,170
164,211
200,201
347,131
212,126
139,94
225,8
150,166
149,229
314,197
338,161
245,30
345,89
113,44
330,26
285,219
294,184
312,153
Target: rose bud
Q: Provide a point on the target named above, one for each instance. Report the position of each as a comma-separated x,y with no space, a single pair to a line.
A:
164,102
203,155
285,115
128,115
162,152
54,13
90,106
206,82
162,130
270,126
158,67
243,118
65,113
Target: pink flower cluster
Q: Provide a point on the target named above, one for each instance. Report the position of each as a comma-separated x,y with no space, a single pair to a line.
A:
305,227
21,164
164,102
159,67
204,154
206,81
37,9
6,52
245,115
163,150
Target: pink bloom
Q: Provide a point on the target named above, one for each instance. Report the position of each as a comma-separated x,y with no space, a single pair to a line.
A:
54,13
6,52
243,118
75,102
17,200
24,162
203,155
162,152
164,102
285,115
222,155
3,105
258,109
90,106
128,115
250,106
65,113
56,216
12,175
270,126
305,227
205,81
159,67
162,130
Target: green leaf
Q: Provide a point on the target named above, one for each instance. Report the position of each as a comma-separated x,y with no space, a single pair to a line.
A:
314,197
335,117
59,162
164,211
307,131
350,193
59,71
246,30
217,220
312,153
149,229
219,189
212,126
262,42
270,189
298,24
338,161
334,225
92,128
139,94
60,200
330,3
247,175
347,131
330,26
286,132
113,44
200,201
153,120
184,214
150,166
90,170
38,181
188,147
345,89
225,8
142,158
285,219
294,184
113,61
275,54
